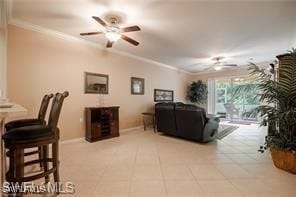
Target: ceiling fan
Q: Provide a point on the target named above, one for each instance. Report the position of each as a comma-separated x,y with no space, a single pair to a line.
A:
218,65
113,32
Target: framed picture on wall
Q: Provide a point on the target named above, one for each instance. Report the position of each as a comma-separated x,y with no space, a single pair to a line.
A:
96,83
163,95
137,86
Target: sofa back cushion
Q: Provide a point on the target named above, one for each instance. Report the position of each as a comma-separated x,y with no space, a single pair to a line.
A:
165,117
190,121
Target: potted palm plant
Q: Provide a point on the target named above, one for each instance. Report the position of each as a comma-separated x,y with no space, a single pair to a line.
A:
279,111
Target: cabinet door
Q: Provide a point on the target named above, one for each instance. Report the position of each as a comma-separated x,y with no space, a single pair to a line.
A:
114,122
95,130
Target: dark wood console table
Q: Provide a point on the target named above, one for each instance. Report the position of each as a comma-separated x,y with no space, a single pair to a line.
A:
101,123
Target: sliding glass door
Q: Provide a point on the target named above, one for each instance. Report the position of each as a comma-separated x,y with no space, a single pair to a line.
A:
233,98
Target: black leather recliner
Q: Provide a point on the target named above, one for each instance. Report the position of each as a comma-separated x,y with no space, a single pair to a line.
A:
165,117
189,121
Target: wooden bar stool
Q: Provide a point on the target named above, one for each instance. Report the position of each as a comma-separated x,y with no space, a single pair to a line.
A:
40,120
19,139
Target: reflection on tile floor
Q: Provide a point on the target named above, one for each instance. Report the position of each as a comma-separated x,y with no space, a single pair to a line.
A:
141,163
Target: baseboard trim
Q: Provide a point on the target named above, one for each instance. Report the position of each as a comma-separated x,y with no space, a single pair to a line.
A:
130,129
82,138
72,140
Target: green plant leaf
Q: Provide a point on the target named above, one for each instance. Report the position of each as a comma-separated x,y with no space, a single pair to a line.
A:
197,92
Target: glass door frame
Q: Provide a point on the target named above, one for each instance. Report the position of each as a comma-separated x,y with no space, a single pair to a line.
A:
212,93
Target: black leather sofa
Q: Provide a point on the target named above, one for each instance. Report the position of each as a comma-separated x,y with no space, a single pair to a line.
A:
186,121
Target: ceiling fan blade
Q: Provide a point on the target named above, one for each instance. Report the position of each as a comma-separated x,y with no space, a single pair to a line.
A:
91,33
128,39
230,65
109,44
99,20
130,29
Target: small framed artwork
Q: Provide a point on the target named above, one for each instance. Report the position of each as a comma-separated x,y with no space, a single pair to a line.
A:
96,83
163,95
137,86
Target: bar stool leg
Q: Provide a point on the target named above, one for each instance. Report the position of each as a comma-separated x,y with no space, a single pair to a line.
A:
55,157
10,175
44,161
19,171
40,152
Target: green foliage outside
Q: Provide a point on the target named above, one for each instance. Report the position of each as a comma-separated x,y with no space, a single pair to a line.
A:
240,93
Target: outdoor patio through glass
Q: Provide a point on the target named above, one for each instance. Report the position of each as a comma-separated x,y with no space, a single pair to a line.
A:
236,98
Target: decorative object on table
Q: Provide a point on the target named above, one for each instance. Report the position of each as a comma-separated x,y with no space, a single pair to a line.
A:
137,86
163,95
101,123
96,83
279,110
197,92
100,100
146,123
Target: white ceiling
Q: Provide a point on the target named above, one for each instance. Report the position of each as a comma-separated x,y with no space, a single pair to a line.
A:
184,34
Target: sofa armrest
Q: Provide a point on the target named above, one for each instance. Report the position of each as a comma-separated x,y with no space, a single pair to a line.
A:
213,116
211,129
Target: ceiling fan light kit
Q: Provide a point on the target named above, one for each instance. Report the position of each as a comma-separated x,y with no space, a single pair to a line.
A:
218,67
113,32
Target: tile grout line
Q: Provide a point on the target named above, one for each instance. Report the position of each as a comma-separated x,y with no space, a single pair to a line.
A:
161,170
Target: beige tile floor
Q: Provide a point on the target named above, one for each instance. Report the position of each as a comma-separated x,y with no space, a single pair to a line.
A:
141,163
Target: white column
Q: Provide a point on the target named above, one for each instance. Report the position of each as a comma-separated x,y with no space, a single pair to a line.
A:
3,47
211,96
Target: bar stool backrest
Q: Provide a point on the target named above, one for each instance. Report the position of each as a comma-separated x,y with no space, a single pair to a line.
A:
44,106
56,107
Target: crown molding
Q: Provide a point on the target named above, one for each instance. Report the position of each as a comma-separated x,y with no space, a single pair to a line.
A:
29,26
245,67
9,10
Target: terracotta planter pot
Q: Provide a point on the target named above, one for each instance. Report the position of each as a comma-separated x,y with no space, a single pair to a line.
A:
285,160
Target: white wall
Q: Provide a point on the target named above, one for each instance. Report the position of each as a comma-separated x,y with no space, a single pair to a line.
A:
40,63
3,46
